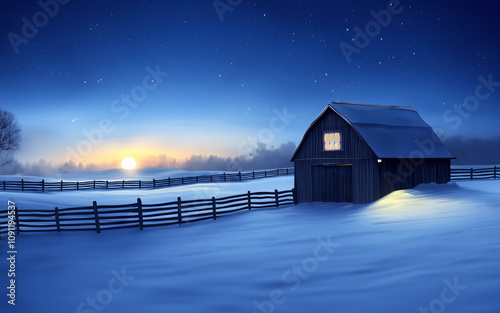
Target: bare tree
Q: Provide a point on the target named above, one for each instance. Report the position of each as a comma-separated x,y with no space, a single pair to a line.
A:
10,137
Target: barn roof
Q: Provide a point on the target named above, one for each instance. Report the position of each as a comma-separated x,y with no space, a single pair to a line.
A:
390,131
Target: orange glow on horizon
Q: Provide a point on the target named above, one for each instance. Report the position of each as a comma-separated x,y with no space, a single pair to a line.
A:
147,152
112,157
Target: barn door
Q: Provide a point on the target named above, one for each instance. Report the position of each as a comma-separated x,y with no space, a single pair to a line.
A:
332,183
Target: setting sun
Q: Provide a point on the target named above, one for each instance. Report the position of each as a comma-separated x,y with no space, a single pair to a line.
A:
128,163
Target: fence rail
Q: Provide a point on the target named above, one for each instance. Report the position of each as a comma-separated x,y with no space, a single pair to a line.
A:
475,173
43,186
140,215
137,215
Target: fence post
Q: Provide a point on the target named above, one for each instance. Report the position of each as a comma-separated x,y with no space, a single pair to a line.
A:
106,184
22,184
4,185
154,183
140,185
94,183
495,173
61,185
224,176
169,182
471,173
253,174
16,214
96,215
77,185
276,197
214,210
211,178
265,173
56,212
43,185
123,184
277,172
197,179
239,173
179,210
249,200
182,180
139,210
294,193
287,170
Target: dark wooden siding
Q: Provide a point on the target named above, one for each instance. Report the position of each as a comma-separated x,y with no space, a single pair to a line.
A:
312,144
369,179
332,183
396,174
364,178
366,187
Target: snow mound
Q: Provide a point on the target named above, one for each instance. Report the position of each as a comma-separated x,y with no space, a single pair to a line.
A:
434,248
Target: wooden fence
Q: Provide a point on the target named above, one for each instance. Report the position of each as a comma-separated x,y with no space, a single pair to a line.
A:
43,186
475,173
139,215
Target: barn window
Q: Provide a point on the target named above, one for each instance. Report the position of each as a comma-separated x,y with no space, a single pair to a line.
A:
332,141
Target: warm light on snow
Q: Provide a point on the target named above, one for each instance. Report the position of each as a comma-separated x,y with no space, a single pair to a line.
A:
430,248
128,163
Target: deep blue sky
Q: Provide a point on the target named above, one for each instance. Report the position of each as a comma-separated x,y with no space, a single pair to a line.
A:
227,77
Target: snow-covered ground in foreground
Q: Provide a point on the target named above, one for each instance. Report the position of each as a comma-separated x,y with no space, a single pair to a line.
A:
435,248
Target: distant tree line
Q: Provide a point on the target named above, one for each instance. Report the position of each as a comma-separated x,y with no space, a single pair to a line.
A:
472,151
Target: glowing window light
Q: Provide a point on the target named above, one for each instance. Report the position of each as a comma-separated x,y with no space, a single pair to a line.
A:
332,141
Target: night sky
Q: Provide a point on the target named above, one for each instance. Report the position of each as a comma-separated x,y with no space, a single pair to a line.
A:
230,70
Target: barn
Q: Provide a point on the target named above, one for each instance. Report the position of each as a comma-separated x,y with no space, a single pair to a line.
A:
361,152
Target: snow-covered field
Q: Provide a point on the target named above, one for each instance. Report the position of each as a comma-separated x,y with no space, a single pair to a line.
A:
113,174
435,248
49,200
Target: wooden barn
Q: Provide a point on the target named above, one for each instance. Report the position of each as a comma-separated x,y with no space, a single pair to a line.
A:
361,152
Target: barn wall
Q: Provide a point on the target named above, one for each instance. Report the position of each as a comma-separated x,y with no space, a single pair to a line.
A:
356,152
312,144
366,187
370,180
396,174
364,178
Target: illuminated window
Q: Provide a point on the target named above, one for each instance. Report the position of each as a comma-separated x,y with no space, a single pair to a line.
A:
332,141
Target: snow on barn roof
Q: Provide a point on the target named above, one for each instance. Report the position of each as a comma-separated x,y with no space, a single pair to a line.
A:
391,131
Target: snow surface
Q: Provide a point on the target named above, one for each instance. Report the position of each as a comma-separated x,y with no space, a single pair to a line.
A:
380,114
49,200
113,174
393,131
398,254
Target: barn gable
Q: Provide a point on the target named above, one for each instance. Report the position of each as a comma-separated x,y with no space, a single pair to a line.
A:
359,153
353,146
388,131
